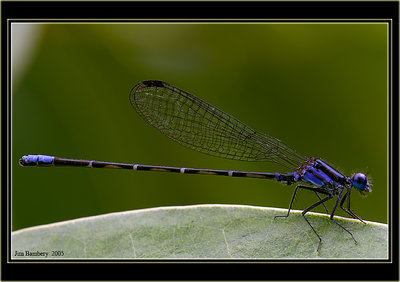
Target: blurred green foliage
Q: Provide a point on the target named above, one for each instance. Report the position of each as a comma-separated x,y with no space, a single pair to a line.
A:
321,88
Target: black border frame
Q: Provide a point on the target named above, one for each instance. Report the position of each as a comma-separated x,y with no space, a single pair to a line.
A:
203,269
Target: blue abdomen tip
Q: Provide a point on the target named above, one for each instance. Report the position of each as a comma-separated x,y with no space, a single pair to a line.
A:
32,160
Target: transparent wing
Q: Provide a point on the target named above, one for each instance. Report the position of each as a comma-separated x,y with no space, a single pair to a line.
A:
198,125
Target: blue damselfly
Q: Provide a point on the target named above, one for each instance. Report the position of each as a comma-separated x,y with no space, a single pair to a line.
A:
198,125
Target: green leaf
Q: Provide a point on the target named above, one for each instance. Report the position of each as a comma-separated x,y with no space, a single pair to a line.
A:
202,231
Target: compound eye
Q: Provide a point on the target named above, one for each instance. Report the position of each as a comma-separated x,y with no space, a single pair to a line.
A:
360,181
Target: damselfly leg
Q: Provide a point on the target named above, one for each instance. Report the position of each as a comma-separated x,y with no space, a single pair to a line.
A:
347,195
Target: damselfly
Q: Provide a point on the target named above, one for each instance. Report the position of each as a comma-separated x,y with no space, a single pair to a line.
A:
198,125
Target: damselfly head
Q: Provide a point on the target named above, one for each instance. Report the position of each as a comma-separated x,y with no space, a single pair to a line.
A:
360,182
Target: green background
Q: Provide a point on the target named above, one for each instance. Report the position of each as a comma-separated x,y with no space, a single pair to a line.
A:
321,88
